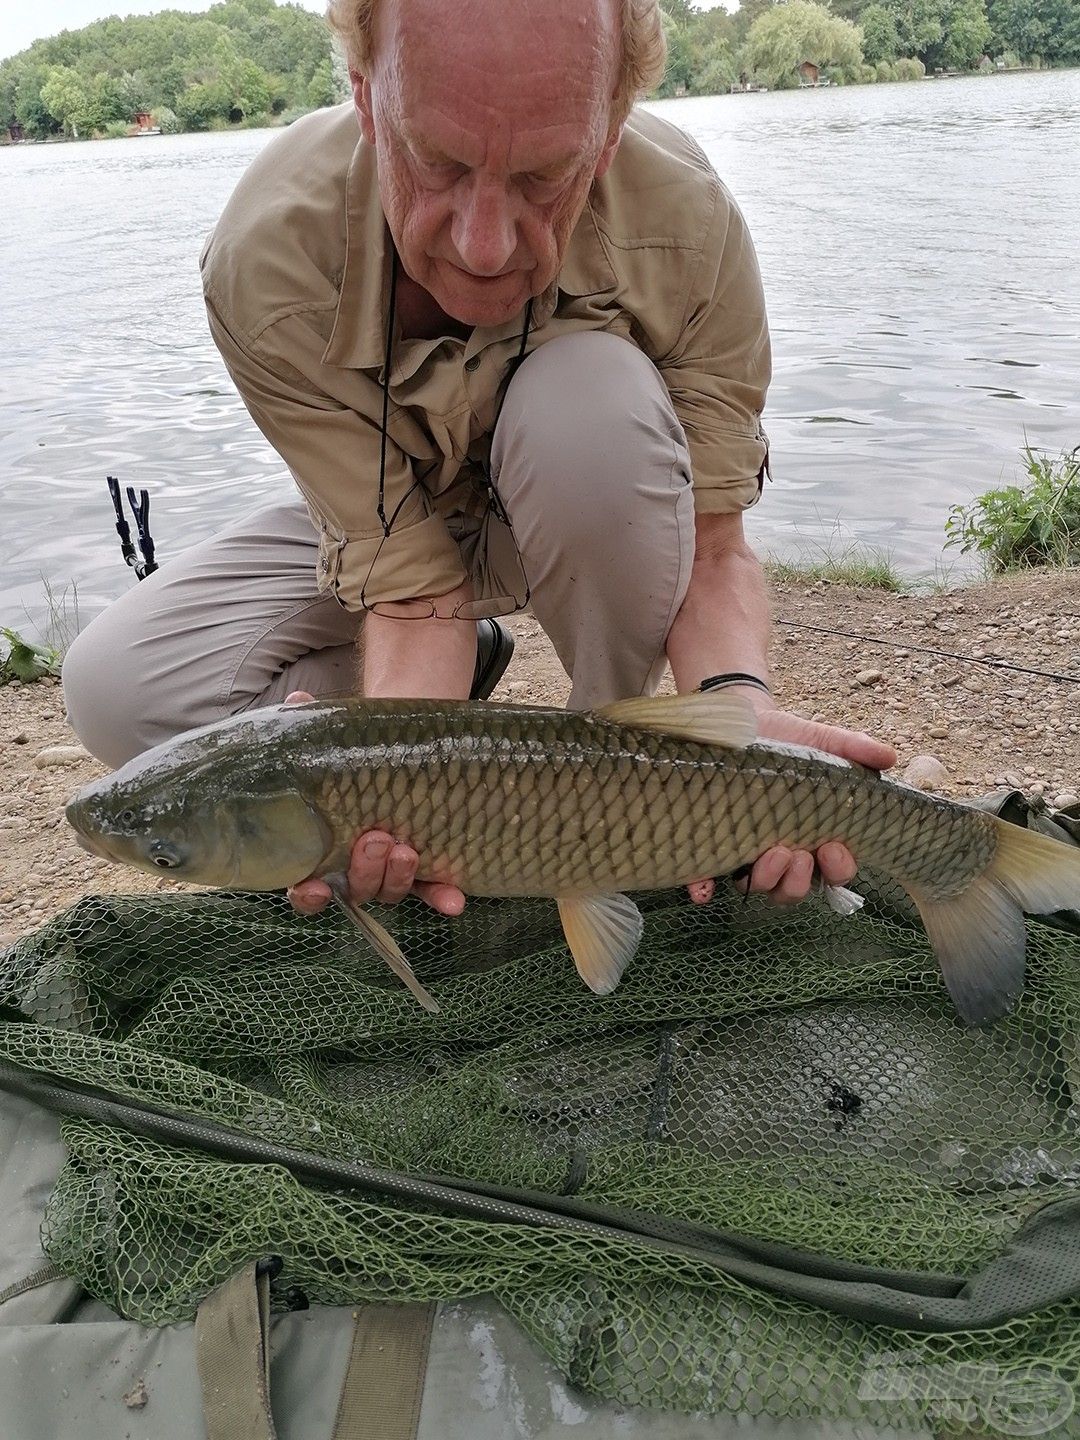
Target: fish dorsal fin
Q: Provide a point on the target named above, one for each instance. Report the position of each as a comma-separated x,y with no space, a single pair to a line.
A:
715,717
603,932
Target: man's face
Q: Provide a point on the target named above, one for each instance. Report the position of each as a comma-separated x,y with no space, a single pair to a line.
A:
490,121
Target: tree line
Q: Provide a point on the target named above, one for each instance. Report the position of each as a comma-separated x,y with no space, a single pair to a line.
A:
254,61
766,41
242,62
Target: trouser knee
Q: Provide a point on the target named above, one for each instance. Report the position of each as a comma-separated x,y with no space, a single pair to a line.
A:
589,424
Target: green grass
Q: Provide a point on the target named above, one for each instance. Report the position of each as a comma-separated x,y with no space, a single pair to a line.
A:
1025,526
28,660
865,568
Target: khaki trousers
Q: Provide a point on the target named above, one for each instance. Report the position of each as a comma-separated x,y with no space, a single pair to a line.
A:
593,469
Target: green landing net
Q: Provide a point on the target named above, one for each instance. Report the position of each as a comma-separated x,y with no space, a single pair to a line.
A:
771,1174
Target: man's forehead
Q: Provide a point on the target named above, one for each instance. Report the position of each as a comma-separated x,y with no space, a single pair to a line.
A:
521,38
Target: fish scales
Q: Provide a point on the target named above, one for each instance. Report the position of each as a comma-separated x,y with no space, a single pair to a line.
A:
519,808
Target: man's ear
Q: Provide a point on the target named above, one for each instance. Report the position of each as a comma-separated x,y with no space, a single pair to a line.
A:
361,94
607,155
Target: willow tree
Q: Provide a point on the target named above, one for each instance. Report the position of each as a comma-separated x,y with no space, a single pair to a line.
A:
781,39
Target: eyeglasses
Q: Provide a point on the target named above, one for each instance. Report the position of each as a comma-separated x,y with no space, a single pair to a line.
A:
491,606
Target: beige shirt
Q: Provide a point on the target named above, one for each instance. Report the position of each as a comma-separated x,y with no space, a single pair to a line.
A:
296,277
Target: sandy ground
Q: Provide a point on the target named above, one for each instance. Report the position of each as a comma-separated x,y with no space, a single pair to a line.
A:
988,725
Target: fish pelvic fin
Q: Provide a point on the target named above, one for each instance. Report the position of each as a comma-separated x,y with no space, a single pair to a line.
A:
979,936
603,933
712,717
380,940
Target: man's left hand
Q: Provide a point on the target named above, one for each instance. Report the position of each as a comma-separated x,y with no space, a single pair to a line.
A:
785,875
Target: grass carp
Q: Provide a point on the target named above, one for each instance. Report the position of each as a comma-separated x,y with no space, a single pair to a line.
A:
511,800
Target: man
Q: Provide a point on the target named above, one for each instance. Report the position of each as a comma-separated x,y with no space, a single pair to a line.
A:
510,340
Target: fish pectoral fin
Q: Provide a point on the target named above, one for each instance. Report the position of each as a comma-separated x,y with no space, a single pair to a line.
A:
715,717
603,933
979,937
380,940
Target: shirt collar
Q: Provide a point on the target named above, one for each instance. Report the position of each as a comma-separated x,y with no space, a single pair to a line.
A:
358,339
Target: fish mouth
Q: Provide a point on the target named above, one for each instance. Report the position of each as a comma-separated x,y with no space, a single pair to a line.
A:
95,847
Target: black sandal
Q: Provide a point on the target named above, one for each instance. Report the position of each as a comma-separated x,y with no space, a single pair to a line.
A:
494,647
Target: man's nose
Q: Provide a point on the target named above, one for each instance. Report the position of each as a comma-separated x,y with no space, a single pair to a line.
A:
484,231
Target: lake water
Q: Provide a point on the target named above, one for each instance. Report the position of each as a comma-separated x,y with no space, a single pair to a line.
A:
919,245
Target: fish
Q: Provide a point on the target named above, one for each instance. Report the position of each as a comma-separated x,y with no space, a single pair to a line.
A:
518,800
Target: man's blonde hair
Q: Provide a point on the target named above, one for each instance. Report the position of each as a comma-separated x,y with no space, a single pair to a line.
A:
641,66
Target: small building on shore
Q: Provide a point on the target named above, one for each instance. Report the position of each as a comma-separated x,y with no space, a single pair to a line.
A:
809,73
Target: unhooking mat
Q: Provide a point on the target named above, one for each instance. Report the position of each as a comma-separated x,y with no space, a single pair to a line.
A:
772,1173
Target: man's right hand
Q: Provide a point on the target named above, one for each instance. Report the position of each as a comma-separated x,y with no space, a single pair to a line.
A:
380,868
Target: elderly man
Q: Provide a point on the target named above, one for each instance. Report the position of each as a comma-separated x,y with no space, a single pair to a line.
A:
510,339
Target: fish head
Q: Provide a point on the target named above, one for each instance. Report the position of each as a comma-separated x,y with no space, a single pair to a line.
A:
191,810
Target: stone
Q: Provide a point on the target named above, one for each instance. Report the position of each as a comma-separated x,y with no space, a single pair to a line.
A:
868,677
21,738
926,772
137,1396
54,755
1066,797
938,732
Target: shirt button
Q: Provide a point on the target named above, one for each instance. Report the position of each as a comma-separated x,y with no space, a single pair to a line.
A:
473,364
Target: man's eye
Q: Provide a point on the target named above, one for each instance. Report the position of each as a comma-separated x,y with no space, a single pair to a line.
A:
439,173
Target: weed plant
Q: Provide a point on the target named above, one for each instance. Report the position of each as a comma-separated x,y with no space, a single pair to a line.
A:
1019,527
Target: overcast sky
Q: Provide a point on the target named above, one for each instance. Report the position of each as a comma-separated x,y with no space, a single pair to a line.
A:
22,22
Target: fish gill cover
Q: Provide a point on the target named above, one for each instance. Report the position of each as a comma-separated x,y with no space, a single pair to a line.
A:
789,1077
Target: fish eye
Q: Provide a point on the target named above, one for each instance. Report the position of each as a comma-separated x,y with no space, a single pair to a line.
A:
164,856
126,817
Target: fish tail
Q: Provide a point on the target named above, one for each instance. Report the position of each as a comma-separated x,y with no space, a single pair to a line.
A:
979,935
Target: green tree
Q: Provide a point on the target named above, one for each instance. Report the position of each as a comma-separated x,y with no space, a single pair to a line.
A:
918,24
322,87
261,54
796,31
200,105
680,57
880,40
65,96
715,70
966,35
1017,25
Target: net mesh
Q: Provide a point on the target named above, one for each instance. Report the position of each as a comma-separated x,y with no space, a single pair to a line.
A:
785,1074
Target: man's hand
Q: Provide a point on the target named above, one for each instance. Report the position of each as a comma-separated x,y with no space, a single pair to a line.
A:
785,875
380,868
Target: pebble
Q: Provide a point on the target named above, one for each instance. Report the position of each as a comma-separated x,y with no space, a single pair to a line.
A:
54,755
21,738
926,772
1066,797
868,677
938,732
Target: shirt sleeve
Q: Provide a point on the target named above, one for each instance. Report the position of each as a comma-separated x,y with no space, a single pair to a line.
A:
719,367
332,448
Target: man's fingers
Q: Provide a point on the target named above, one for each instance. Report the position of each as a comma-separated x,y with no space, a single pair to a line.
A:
701,891
796,879
768,870
310,896
399,874
837,864
446,899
